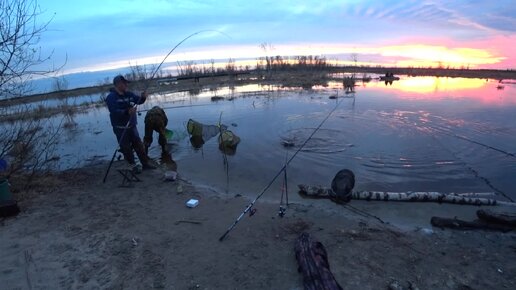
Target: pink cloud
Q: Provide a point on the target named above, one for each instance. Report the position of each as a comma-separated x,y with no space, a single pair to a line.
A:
497,51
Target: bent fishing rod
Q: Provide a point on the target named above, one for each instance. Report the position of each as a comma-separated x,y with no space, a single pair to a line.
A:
147,86
250,206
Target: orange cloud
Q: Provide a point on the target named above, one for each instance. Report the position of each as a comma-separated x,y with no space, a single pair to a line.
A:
428,55
495,52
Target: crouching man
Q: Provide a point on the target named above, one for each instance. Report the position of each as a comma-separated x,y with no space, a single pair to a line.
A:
156,120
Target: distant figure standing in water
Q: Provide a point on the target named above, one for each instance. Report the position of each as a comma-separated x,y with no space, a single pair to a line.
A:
156,120
122,113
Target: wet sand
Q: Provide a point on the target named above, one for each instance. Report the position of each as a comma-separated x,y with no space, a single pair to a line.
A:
77,232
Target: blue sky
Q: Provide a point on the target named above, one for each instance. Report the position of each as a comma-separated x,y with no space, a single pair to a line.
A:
96,35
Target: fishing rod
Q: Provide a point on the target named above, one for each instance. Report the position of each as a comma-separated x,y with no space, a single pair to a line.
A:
179,107
284,190
147,86
250,205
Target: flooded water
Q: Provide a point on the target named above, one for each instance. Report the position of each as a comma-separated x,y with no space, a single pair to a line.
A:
418,133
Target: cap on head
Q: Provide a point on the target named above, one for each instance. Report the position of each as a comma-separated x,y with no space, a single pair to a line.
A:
120,78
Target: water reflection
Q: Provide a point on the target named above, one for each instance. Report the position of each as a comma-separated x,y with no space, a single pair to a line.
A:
443,88
424,85
61,102
416,134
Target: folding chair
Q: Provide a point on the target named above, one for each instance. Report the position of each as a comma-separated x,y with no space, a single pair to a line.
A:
128,177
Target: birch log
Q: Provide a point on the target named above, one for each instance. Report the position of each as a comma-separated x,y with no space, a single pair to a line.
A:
416,196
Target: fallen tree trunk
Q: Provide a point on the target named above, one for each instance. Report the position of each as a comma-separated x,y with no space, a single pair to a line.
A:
497,218
419,196
313,264
467,225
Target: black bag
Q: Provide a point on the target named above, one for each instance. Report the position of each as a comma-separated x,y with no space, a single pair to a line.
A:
9,208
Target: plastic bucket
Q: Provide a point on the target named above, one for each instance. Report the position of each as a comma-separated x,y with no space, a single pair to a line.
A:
5,194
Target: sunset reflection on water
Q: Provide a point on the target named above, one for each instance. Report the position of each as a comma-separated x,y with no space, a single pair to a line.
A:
418,133
440,88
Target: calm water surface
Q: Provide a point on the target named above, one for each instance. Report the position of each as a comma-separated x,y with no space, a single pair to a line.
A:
419,134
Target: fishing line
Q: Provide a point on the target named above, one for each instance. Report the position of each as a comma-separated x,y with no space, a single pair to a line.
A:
179,107
189,36
146,87
284,190
362,213
440,130
286,179
476,142
248,208
437,130
382,224
225,157
475,172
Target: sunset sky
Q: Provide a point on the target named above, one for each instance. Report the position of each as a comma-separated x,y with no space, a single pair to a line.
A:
96,35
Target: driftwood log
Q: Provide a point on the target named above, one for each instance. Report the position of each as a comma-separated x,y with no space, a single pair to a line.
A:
313,264
467,225
497,218
419,196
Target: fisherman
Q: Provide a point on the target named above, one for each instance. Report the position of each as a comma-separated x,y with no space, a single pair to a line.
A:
122,113
156,120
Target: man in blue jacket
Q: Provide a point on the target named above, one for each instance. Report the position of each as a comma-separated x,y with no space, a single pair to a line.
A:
122,113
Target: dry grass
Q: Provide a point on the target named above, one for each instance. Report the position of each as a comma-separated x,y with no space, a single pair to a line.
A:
46,183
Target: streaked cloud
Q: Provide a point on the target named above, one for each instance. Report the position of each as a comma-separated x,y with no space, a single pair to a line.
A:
480,33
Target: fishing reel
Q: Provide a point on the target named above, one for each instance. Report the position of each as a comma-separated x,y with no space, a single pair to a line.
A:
133,105
282,211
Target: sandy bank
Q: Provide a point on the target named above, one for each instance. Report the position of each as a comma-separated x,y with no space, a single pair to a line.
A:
86,234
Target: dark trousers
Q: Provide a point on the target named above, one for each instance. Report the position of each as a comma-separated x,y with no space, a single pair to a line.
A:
155,123
129,140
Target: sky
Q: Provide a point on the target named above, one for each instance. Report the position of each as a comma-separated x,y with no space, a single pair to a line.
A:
98,35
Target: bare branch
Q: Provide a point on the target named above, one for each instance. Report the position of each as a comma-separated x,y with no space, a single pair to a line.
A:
19,50
26,143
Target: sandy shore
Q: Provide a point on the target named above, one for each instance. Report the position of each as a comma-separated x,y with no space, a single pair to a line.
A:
92,235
